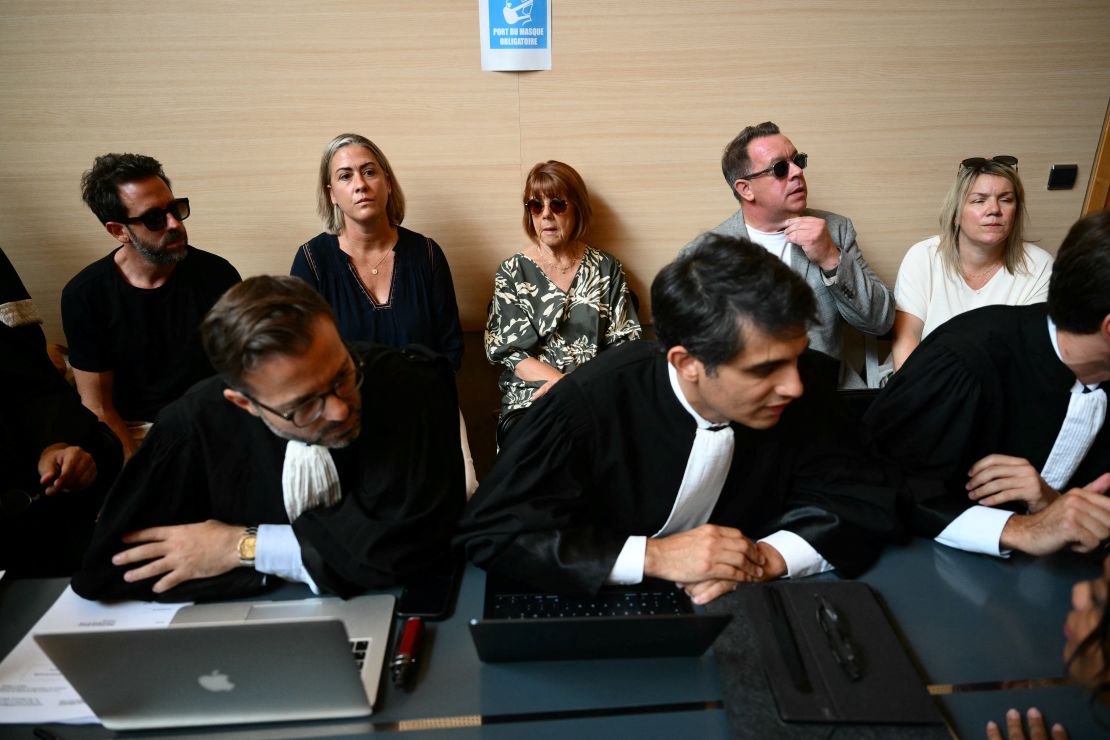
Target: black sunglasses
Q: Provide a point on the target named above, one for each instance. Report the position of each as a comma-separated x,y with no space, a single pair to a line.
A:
780,168
311,409
155,218
978,163
535,205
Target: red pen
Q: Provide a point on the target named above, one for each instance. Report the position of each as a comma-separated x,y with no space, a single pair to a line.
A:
403,665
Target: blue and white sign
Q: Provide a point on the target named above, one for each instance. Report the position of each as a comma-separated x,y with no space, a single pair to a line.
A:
516,34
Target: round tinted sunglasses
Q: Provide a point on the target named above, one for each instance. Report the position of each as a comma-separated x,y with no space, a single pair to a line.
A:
155,218
780,168
978,163
535,206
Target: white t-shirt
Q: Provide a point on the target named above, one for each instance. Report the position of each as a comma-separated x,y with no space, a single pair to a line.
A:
773,241
926,290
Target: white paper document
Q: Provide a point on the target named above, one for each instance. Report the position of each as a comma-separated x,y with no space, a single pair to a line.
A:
32,690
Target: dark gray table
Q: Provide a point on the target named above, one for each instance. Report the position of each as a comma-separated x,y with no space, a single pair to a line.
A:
966,619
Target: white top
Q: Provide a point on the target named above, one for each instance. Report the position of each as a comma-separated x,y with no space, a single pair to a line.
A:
773,241
926,290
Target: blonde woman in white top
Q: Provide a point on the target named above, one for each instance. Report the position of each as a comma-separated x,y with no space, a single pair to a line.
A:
979,259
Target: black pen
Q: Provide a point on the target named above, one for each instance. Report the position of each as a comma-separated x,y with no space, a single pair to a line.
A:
788,644
403,666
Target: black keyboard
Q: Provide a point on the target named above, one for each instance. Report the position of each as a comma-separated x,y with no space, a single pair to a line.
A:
358,650
606,604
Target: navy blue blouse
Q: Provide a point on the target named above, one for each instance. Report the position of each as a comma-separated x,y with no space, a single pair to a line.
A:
421,307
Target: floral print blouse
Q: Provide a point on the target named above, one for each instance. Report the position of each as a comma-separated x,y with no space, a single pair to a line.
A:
530,316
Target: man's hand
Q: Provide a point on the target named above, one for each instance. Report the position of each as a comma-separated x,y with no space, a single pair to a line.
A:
1079,519
182,552
812,235
997,479
65,468
703,592
706,553
1037,729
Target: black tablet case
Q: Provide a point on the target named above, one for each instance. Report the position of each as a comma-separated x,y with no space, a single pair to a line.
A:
890,691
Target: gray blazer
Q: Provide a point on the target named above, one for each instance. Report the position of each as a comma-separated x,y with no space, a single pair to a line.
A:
858,296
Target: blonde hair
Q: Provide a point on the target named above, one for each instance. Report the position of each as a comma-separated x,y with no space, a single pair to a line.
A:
329,212
1013,251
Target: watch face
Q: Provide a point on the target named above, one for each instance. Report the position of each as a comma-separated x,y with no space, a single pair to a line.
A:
246,547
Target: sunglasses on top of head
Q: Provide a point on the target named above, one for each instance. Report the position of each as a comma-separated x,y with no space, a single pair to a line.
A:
535,205
781,168
978,163
155,218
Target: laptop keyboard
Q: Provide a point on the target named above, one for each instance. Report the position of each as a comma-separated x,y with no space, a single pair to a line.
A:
606,604
358,650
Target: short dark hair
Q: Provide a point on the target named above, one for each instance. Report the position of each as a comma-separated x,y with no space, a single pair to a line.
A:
735,160
1079,290
703,299
257,318
100,184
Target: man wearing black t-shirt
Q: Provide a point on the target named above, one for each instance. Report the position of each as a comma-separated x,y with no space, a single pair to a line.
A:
131,317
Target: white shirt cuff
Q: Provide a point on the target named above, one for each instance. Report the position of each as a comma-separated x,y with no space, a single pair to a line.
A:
801,559
629,568
829,280
278,552
978,529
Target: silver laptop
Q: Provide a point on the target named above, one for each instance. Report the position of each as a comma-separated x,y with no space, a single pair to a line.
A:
232,663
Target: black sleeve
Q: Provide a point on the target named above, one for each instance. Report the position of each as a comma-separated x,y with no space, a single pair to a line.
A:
928,424
530,518
841,500
165,483
395,519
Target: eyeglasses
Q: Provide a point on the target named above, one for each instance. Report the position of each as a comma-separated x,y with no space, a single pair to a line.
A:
557,205
155,218
978,163
311,409
780,168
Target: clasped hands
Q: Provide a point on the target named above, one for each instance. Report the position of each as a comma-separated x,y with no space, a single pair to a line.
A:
710,561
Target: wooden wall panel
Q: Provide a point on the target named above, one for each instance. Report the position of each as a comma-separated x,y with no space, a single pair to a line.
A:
238,100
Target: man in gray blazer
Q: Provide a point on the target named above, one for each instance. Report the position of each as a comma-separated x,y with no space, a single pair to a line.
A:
764,171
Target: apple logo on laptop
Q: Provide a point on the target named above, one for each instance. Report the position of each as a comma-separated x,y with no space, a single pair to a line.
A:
215,681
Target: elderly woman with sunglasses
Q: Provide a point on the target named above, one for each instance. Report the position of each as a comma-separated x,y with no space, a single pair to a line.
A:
558,302
978,259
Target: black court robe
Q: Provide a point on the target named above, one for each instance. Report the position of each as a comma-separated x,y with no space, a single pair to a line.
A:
985,382
38,409
205,458
601,458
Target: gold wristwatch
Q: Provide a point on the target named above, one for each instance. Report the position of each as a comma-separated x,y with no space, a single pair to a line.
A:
247,542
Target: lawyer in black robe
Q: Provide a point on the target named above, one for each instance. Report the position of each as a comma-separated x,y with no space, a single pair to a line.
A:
986,382
402,483
601,458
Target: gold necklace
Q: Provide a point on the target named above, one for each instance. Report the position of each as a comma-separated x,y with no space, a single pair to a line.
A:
552,265
374,269
972,279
